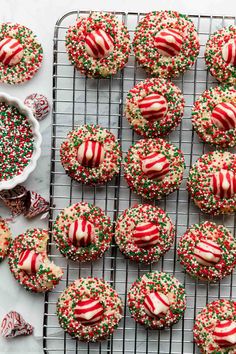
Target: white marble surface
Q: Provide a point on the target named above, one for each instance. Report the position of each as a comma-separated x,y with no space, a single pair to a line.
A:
41,16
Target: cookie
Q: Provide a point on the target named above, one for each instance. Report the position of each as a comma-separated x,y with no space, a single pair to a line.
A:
82,232
153,168
5,238
215,327
29,263
220,55
98,45
212,183
154,107
91,155
89,309
144,233
16,143
214,116
157,300
207,251
166,43
21,54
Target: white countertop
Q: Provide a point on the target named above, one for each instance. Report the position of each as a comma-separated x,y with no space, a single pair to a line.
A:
41,16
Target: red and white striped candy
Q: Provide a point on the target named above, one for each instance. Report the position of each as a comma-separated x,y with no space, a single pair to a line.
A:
155,166
90,153
169,42
146,235
30,261
225,333
207,252
89,311
11,51
153,107
99,44
224,116
81,232
223,183
229,52
156,304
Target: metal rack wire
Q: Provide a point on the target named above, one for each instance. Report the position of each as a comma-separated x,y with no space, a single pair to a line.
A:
78,100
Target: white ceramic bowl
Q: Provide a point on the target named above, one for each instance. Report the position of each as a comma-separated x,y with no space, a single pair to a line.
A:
11,183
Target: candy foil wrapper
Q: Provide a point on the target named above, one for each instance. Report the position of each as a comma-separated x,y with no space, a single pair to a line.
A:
21,201
38,104
13,325
38,205
16,199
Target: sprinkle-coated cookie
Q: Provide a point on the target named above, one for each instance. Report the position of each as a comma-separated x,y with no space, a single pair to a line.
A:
20,53
166,43
30,264
16,143
214,116
98,45
220,54
154,107
212,183
89,309
157,300
5,238
144,233
154,168
82,232
215,328
207,251
91,155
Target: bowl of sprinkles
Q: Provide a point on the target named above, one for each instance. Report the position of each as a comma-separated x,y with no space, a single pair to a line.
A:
20,142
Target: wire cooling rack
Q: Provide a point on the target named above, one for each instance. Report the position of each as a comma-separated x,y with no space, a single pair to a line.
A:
78,100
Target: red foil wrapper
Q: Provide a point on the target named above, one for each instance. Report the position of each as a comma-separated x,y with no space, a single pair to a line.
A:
38,205
13,325
38,104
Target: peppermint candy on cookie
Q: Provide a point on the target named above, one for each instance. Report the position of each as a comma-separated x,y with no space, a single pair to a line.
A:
90,153
229,52
168,42
155,166
224,116
11,51
21,54
211,182
214,116
157,300
225,333
156,304
220,55
224,183
89,311
144,233
99,44
215,327
207,251
30,261
154,107
81,232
